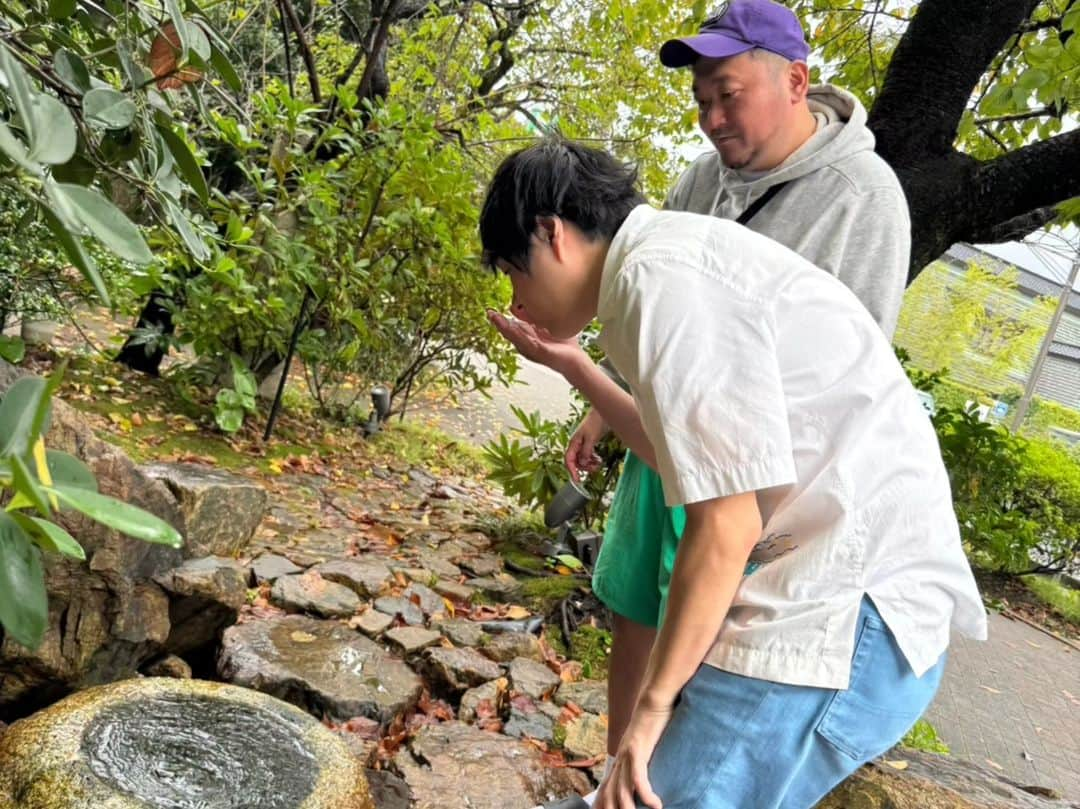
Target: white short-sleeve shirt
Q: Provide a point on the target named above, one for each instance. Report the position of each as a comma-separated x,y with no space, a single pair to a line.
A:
754,370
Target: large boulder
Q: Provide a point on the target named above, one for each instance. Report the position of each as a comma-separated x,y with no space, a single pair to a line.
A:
219,511
106,615
183,744
907,779
321,666
453,764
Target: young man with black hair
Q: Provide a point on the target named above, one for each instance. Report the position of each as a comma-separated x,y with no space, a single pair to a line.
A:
820,569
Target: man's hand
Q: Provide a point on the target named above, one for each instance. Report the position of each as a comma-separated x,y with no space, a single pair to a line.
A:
581,451
629,776
536,344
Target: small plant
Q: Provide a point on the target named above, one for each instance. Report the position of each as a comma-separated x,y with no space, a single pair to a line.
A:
922,736
234,403
1060,598
35,484
533,472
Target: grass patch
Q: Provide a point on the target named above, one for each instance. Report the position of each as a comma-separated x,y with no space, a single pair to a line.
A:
519,528
592,648
923,736
514,553
421,445
1063,600
542,593
554,638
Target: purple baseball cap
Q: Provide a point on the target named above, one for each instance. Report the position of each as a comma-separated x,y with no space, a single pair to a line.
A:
738,26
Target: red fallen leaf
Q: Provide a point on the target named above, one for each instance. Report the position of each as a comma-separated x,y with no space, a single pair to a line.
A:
571,671
569,713
435,708
163,60
360,725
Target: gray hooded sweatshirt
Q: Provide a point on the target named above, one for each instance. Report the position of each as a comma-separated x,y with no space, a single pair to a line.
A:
843,209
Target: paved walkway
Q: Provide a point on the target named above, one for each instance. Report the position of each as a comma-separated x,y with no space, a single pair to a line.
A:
1011,704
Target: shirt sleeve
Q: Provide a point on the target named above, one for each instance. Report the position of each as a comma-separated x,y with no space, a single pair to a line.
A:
703,368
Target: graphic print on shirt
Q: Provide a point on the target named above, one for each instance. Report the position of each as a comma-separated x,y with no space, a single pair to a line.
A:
769,550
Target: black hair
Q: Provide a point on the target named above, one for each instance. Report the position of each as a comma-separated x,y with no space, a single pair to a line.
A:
554,177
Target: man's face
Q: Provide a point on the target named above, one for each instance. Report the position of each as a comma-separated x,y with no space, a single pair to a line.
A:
743,102
552,294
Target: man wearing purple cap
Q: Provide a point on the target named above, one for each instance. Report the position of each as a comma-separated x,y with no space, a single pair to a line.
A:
794,162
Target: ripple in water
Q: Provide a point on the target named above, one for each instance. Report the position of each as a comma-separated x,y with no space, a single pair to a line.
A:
188,752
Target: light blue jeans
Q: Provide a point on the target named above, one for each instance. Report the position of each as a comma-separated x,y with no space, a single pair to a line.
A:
741,743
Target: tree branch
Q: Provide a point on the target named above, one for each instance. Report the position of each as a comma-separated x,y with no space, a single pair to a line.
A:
1049,111
289,11
1016,228
918,111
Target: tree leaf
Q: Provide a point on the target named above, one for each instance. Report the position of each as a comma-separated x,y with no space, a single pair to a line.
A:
179,28
24,606
118,515
109,108
26,485
103,219
196,246
76,253
61,9
51,537
18,410
185,161
54,136
13,148
70,67
225,69
69,471
18,85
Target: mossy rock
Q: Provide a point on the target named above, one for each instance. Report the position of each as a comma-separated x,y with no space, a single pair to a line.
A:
176,744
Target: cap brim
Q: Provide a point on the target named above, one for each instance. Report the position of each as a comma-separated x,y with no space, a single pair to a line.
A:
686,51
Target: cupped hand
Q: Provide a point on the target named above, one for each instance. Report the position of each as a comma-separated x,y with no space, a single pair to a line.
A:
536,343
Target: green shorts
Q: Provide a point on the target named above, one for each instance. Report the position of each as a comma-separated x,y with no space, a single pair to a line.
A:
633,570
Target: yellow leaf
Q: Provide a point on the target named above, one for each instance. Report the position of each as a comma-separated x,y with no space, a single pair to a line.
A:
121,421
302,637
449,607
517,613
898,764
42,464
395,506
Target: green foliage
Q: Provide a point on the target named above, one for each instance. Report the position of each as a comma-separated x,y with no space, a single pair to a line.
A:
974,323
533,471
1017,500
34,481
87,138
232,404
1064,601
924,737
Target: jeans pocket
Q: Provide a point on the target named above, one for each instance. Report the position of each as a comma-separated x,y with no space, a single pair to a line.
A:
883,700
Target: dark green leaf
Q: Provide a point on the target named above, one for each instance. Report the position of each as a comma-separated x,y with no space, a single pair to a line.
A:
120,516
50,537
78,170
225,69
14,148
185,161
18,409
61,9
26,485
24,607
72,70
75,252
177,16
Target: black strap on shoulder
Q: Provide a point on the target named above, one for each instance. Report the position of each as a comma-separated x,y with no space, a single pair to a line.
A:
760,202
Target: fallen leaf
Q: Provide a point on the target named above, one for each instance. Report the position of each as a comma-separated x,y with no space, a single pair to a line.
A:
302,637
988,688
995,765
896,764
516,613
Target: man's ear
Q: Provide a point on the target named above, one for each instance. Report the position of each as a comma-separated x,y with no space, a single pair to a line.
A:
798,81
551,230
